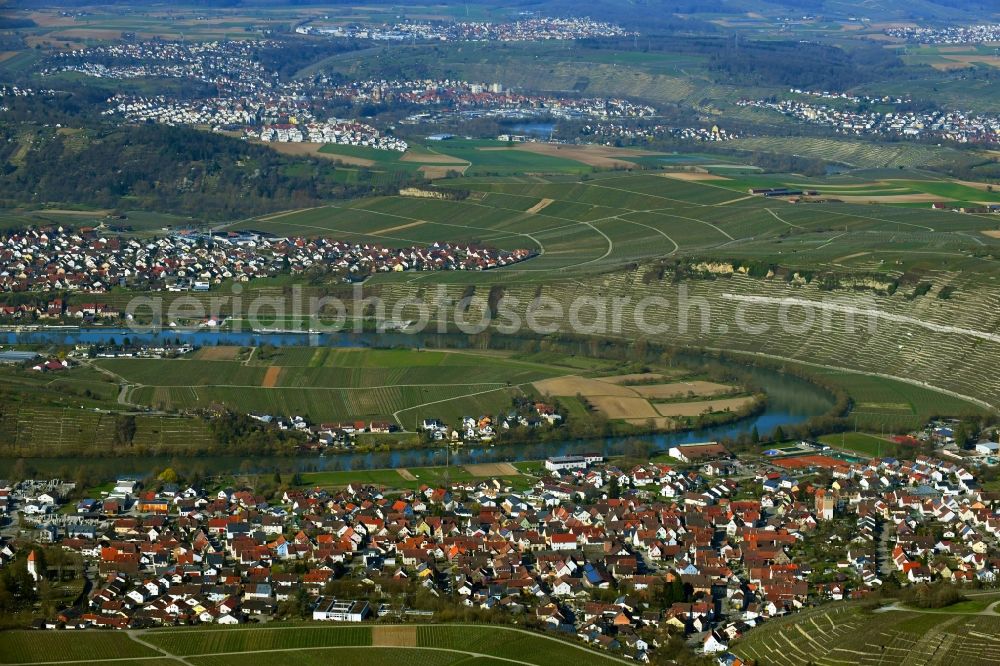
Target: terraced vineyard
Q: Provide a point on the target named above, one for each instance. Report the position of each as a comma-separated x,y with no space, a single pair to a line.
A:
927,342
583,227
847,635
855,153
31,431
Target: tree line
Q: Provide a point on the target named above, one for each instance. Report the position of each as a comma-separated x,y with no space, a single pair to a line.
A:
160,168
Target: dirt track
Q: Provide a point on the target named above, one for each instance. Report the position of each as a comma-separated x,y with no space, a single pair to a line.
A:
284,213
400,227
394,636
538,207
271,376
888,198
693,176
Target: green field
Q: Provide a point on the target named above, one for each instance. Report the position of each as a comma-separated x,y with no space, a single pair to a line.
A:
494,158
428,645
469,157
976,604
30,431
192,642
508,644
382,159
374,656
24,647
889,407
329,384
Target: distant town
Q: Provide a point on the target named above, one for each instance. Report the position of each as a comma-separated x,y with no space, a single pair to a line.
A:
229,65
956,126
971,34
524,30
92,260
260,106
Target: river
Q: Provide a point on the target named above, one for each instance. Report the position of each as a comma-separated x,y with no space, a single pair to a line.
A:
791,401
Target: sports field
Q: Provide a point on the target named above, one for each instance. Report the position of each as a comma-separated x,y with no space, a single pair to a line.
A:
867,444
307,644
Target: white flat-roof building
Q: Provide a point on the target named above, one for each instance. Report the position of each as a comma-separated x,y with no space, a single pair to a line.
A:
987,448
328,608
561,463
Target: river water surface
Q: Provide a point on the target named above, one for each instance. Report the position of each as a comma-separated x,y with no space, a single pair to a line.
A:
791,401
